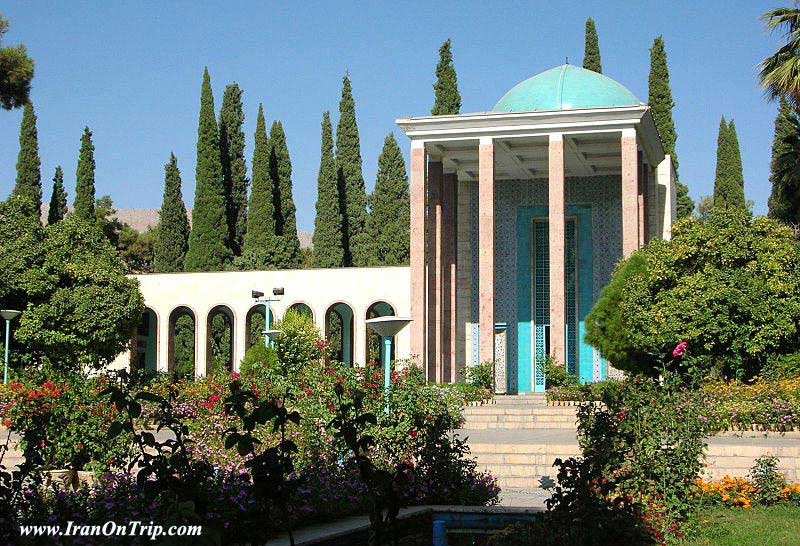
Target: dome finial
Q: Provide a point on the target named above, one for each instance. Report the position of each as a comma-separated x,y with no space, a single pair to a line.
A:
566,60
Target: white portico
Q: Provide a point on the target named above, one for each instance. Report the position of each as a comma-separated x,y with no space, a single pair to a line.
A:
518,216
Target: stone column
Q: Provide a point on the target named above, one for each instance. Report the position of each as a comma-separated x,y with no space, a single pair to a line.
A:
640,197
162,333
486,248
630,190
434,251
417,251
556,213
449,277
239,333
201,344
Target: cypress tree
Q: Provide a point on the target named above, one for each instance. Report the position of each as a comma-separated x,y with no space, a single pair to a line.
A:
29,176
234,168
84,189
353,194
447,99
328,250
287,251
660,98
58,200
172,237
390,212
784,199
207,249
728,180
591,48
259,238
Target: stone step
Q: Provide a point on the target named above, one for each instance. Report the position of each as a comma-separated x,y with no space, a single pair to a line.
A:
542,417
535,398
521,426
520,410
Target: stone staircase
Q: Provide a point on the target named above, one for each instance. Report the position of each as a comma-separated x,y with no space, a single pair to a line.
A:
517,438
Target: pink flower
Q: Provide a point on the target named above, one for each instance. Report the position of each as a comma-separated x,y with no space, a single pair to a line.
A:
679,350
235,375
321,344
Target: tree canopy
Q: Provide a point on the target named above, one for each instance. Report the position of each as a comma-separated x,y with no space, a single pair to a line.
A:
729,286
84,189
591,48
29,175
172,239
328,250
78,306
390,212
784,199
16,72
234,167
729,178
447,99
58,199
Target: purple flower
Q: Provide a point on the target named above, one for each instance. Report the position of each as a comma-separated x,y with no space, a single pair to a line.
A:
679,350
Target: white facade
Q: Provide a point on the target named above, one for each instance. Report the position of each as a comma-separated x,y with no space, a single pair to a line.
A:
319,289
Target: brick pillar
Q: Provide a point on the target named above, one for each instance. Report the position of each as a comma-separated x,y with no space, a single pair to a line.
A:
630,190
642,182
449,277
417,251
434,252
486,248
556,210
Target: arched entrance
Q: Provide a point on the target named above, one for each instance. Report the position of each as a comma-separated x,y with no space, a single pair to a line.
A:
339,332
144,349
374,345
181,350
220,325
255,324
303,309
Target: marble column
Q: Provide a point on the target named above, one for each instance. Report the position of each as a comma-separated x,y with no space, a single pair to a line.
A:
434,251
630,189
556,213
417,251
449,187
163,331
486,248
202,344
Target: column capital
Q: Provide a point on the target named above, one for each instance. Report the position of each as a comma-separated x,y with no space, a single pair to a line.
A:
556,137
628,132
417,144
486,141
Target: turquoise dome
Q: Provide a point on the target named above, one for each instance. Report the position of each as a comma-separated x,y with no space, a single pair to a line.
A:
565,87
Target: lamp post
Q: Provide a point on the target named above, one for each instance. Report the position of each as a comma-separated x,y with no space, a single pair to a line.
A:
9,315
387,328
257,295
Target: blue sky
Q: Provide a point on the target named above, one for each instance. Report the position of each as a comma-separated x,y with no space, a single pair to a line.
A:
132,73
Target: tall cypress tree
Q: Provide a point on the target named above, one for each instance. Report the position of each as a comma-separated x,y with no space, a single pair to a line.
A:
661,104
591,48
259,239
728,180
58,200
29,176
207,242
390,211
784,199
353,194
328,250
447,99
84,188
172,237
287,251
234,168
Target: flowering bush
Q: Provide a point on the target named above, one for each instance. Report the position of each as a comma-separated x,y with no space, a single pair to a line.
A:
764,485
62,420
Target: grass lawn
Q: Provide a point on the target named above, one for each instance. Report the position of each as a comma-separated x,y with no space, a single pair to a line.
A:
759,526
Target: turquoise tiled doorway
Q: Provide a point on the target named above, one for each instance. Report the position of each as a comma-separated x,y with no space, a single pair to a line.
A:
533,294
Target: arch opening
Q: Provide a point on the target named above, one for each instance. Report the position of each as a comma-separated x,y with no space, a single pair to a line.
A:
220,328
144,346
182,346
339,325
255,324
303,309
374,346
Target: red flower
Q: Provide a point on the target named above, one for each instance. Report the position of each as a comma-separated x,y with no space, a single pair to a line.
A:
235,375
412,433
308,392
679,350
321,344
214,398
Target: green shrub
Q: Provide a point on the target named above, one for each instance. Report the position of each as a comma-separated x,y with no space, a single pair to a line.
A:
769,483
782,367
299,343
729,286
259,357
480,375
558,376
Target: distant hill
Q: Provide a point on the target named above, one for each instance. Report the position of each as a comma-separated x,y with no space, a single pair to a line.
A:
141,219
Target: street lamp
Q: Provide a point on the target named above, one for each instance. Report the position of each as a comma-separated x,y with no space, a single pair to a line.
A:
257,295
387,328
9,315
